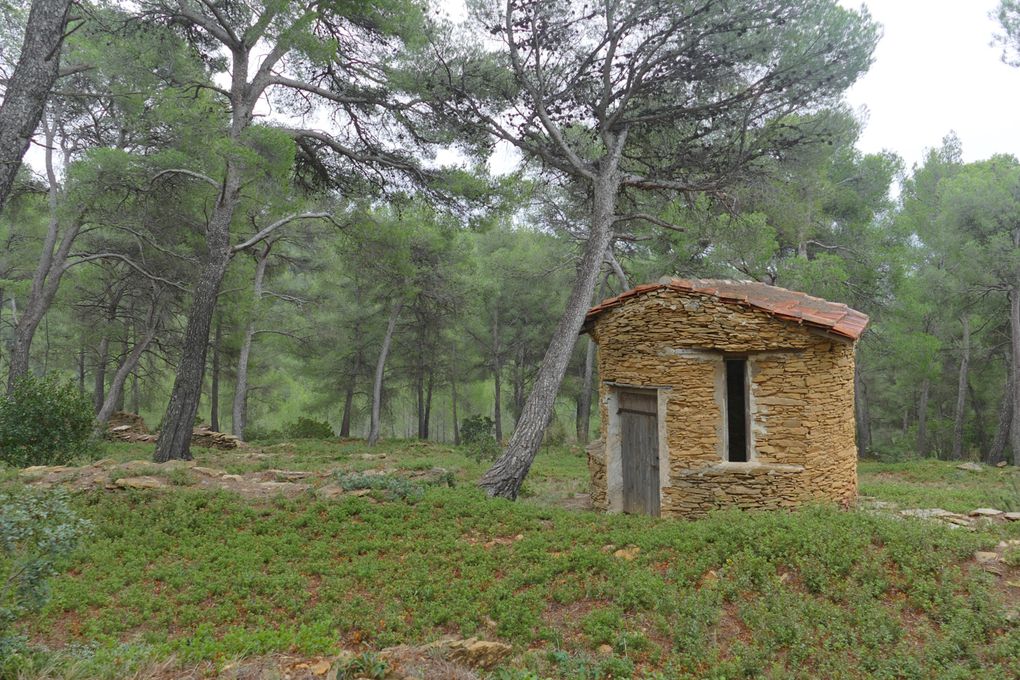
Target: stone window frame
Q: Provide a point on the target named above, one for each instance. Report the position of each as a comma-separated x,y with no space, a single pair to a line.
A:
722,401
614,457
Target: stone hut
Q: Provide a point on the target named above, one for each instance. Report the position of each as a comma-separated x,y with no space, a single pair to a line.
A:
719,394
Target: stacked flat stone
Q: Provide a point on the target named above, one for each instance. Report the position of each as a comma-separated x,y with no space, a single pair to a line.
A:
801,401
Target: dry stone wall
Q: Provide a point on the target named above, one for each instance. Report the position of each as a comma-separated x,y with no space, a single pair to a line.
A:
801,401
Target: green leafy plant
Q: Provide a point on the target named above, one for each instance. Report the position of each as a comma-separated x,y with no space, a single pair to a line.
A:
477,438
392,487
366,665
306,428
37,531
44,421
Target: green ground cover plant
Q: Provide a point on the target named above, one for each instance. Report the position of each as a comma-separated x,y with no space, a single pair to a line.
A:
208,577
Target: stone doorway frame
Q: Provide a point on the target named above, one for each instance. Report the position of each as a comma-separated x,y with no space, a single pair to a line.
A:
614,459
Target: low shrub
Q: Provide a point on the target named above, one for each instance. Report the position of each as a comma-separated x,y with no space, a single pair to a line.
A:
477,438
37,531
306,428
44,421
392,487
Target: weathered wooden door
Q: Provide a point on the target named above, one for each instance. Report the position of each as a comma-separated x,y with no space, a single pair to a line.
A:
639,451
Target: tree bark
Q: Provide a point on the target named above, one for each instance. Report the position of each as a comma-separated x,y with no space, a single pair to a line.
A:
1005,419
30,84
861,415
239,410
506,475
99,377
1014,326
345,420
214,388
428,403
127,368
961,390
922,419
380,369
174,441
497,382
583,426
48,272
453,406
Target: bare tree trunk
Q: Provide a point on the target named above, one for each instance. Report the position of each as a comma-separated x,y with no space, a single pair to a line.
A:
1014,338
922,419
980,429
81,369
506,475
453,405
380,369
497,383
585,396
46,279
99,377
345,421
135,397
420,389
1003,426
861,412
961,390
127,367
239,410
214,388
428,404
29,86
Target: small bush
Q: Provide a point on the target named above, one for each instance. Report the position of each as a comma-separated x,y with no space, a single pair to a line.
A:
391,487
555,433
364,665
37,530
477,438
44,421
306,428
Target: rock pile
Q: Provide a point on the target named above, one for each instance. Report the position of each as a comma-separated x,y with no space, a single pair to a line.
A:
128,427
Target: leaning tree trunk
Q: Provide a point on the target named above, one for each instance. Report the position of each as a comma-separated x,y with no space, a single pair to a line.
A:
48,273
961,390
174,441
380,369
239,411
30,84
506,475
127,368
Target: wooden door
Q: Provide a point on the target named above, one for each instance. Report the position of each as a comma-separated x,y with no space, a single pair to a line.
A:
639,450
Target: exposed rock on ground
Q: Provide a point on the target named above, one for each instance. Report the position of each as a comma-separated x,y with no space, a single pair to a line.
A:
129,427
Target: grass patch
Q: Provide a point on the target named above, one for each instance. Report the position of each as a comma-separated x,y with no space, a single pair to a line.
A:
938,484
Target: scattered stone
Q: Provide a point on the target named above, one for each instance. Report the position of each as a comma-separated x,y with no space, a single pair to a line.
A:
629,554
283,487
40,470
360,492
605,650
971,467
290,475
928,513
985,512
329,492
431,477
104,463
1012,516
208,472
140,483
986,557
371,456
232,478
1001,464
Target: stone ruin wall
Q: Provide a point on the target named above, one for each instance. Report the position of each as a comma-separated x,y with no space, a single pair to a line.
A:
802,401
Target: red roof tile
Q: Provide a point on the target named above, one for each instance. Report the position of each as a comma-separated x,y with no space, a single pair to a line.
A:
788,305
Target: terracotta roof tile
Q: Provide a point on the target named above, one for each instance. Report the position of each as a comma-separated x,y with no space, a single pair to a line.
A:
788,305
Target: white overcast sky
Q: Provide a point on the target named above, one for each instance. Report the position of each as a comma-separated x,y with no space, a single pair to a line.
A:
935,71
